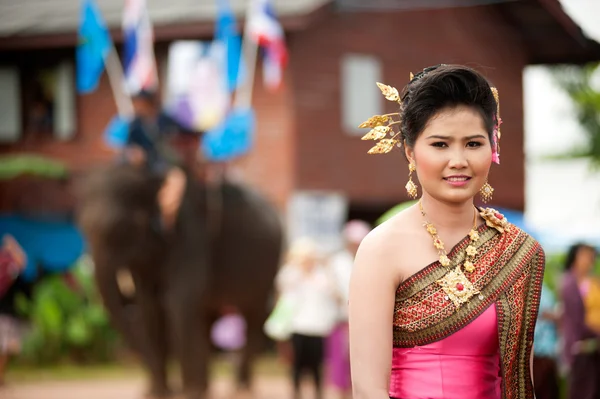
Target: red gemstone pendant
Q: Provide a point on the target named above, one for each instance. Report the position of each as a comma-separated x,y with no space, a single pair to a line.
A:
460,287
499,216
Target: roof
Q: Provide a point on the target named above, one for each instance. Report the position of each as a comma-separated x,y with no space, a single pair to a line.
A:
549,34
39,17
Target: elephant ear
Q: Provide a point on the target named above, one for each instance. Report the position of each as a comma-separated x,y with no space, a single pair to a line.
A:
116,205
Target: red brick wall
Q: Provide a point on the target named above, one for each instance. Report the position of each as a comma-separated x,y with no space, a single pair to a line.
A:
268,166
328,158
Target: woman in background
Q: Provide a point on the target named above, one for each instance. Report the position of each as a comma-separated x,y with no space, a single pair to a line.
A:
337,345
12,261
308,283
580,351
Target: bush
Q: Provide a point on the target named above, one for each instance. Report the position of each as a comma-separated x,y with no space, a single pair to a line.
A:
66,323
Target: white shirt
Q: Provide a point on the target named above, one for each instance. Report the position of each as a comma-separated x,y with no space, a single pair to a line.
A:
341,268
313,293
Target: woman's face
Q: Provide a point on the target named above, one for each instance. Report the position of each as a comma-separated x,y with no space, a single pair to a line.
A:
584,260
307,262
453,155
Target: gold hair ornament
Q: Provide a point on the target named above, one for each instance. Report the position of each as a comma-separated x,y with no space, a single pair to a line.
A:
381,125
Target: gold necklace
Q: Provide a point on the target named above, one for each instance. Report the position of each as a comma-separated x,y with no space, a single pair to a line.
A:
458,288
470,251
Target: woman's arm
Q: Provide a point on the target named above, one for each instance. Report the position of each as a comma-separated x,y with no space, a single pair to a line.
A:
569,295
371,307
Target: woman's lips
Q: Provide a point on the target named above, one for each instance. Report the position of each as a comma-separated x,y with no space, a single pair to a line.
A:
457,181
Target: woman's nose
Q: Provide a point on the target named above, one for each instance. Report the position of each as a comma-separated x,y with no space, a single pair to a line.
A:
458,159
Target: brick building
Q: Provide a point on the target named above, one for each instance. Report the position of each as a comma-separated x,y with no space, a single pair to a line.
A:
306,135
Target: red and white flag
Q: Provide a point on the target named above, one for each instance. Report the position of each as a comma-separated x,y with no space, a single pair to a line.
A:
138,61
265,29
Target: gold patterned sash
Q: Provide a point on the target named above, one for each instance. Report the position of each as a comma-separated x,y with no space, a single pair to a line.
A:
509,272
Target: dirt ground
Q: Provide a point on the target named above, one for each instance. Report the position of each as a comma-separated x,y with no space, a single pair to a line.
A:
265,388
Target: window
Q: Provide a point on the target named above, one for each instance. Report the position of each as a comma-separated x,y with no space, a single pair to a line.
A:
10,105
49,102
37,102
361,98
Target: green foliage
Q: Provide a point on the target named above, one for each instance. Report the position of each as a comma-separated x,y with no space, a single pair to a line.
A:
577,83
394,211
12,166
554,269
67,324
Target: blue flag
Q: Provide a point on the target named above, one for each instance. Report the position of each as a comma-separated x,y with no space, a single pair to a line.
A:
231,138
117,132
226,32
93,47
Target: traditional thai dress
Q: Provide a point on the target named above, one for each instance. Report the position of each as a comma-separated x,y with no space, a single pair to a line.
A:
460,335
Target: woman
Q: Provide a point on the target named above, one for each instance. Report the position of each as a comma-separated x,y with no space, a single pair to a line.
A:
337,348
444,295
306,281
580,341
11,327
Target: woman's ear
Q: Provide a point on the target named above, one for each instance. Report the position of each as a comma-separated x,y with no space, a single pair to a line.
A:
410,154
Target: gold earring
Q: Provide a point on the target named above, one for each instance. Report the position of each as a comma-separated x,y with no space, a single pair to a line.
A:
411,187
486,192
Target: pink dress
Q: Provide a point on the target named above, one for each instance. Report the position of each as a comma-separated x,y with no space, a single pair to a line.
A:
465,365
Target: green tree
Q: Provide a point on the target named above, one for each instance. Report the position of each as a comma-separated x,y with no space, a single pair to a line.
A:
578,83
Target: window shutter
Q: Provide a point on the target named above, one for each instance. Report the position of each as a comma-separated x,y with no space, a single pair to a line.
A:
361,98
64,112
10,105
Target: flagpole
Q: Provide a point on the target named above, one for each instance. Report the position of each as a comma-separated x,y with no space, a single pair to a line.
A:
116,77
243,96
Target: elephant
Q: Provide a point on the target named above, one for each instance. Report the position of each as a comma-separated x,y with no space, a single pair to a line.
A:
224,250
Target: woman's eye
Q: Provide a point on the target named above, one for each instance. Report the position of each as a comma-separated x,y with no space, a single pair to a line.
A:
474,144
440,144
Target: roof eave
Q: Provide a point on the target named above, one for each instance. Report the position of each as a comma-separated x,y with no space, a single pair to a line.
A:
162,33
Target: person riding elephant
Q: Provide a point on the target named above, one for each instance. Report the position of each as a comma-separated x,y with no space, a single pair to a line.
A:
148,146
223,249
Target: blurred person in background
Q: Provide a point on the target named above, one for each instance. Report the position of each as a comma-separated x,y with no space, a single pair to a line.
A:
148,146
545,347
337,345
12,262
581,350
444,295
306,279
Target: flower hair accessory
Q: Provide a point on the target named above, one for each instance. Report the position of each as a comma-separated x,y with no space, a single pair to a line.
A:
387,138
496,135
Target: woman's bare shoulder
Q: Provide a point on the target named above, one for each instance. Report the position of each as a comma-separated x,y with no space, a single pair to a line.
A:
385,246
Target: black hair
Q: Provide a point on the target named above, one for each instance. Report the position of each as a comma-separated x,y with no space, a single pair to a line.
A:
573,251
444,86
146,95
